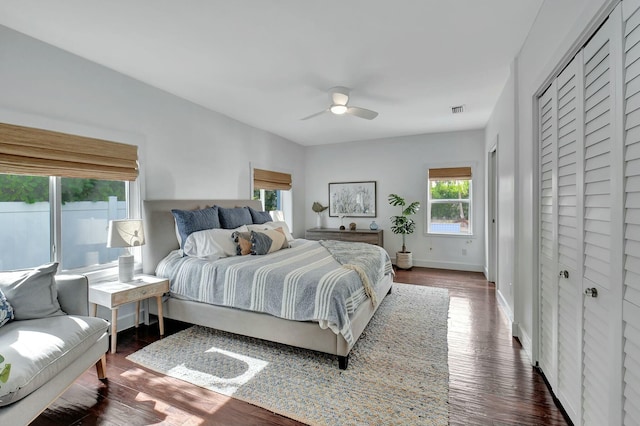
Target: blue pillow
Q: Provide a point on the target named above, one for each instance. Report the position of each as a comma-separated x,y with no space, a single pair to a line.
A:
234,217
259,217
190,221
6,311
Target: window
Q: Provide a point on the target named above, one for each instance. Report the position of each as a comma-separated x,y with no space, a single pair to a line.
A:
449,201
273,189
28,230
57,195
271,198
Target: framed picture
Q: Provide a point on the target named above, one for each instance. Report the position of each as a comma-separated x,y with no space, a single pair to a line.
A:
352,199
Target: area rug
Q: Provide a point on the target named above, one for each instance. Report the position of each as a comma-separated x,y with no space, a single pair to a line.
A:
397,374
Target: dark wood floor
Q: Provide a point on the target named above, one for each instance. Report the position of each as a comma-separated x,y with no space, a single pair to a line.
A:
491,380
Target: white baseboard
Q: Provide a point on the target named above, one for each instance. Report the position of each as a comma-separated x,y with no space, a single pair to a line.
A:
525,341
456,266
486,272
504,306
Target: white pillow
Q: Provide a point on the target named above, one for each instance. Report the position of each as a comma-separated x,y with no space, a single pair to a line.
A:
273,225
212,244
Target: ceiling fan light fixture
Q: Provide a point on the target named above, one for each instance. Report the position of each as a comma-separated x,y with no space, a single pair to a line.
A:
338,109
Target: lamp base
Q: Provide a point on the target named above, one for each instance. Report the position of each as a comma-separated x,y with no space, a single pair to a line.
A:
125,268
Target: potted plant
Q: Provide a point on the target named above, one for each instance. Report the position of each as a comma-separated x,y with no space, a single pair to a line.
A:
403,225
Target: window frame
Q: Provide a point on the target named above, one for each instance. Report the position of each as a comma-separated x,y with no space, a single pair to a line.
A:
132,194
429,201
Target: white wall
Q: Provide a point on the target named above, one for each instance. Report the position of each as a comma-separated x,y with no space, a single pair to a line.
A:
557,30
186,151
399,165
501,132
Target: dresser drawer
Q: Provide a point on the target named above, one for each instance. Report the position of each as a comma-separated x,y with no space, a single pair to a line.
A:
358,236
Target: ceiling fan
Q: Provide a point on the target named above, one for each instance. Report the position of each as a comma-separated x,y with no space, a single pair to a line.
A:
339,97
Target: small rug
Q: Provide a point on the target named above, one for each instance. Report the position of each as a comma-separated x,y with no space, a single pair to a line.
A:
397,374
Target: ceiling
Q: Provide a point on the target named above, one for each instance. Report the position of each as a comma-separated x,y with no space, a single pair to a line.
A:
269,63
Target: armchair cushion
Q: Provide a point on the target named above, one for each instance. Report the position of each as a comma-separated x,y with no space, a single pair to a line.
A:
39,349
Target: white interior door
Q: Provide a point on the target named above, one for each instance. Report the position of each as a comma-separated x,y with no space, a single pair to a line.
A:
569,182
548,247
602,220
631,295
580,231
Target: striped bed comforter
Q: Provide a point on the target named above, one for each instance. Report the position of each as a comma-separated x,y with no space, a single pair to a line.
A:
303,283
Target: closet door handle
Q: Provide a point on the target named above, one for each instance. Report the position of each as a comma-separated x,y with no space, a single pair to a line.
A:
593,292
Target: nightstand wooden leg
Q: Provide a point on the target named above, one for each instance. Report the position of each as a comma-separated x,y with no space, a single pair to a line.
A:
160,318
114,329
137,314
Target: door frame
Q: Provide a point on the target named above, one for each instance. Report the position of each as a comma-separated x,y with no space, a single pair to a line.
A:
493,212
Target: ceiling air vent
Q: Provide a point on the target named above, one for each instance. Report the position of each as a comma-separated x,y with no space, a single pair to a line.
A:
457,109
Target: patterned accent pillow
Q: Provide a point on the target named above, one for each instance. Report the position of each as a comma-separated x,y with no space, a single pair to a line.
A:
243,243
265,242
190,221
6,311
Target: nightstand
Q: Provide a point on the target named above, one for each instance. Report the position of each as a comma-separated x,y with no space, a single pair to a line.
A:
113,294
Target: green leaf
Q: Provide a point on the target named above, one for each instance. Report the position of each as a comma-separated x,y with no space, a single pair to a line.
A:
4,375
396,200
1,359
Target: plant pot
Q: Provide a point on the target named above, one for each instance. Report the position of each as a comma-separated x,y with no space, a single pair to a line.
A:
404,260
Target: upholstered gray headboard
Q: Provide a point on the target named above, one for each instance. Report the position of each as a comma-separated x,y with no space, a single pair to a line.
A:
159,225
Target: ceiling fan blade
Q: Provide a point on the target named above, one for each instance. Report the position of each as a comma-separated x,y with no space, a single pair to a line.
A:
315,115
362,112
339,95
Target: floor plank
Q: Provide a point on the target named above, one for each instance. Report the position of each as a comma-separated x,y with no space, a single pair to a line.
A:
491,381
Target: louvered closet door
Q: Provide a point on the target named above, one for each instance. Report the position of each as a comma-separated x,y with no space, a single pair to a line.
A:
569,185
631,303
601,257
548,255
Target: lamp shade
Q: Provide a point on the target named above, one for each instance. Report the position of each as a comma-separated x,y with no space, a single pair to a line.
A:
125,233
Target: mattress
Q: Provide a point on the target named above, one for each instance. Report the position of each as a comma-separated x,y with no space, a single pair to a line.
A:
316,281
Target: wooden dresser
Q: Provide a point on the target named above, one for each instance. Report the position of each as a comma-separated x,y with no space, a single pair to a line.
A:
359,235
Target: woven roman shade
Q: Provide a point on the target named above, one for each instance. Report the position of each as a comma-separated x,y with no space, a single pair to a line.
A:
29,151
266,179
450,173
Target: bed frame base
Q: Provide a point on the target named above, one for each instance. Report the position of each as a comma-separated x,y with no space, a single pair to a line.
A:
343,362
307,334
161,239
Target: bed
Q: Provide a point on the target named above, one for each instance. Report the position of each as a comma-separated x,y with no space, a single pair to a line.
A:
160,252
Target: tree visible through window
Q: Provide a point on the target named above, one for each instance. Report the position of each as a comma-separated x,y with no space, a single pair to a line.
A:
270,199
449,201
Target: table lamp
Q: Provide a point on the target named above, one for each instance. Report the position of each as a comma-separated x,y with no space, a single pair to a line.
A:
125,233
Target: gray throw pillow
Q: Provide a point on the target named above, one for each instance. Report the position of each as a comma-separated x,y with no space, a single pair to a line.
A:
235,217
32,292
